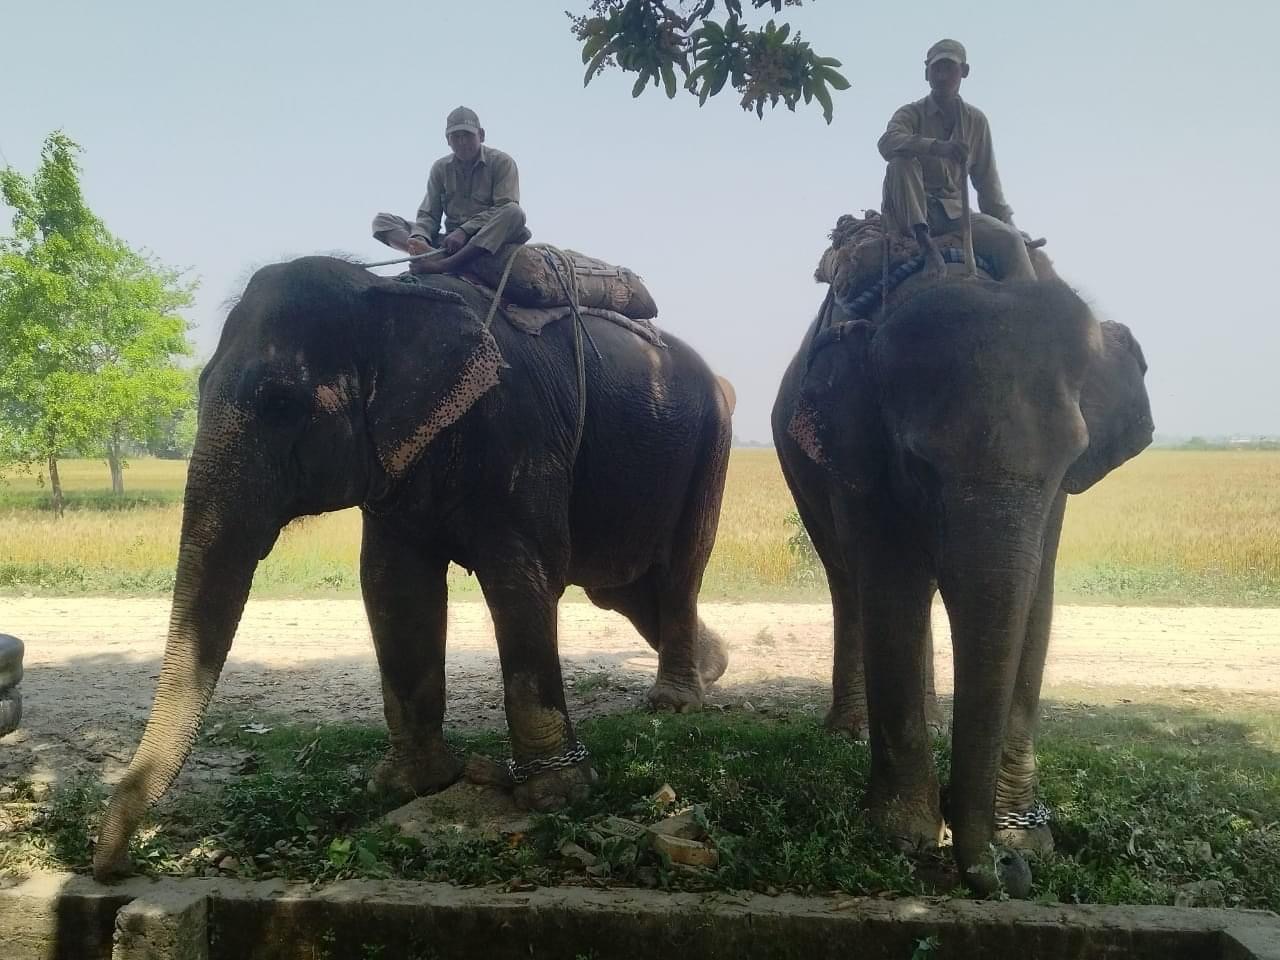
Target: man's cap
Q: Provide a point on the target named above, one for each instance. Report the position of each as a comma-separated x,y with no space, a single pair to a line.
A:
462,118
945,50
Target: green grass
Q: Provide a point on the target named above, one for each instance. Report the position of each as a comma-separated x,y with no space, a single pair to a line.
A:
1170,527
1146,797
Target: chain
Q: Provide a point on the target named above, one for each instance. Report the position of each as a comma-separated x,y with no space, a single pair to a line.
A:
520,772
1038,816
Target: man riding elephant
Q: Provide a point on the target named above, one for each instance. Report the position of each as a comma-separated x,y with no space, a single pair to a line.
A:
475,190
929,144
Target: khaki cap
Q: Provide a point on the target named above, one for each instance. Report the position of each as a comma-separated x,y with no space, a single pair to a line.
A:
945,50
462,118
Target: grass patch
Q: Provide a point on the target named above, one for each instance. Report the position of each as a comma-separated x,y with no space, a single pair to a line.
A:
1146,798
1170,527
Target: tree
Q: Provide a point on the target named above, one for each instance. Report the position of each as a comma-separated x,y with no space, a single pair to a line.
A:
653,40
89,329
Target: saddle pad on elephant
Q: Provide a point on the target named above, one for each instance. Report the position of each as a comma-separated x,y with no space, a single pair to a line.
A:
537,279
531,320
854,263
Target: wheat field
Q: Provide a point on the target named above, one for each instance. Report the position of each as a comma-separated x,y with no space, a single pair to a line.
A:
1170,527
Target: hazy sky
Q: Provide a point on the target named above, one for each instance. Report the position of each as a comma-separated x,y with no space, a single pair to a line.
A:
1140,137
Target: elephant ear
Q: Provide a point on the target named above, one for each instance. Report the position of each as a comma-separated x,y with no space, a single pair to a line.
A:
1113,400
836,420
436,360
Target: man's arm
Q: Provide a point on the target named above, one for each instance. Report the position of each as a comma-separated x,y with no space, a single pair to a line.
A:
506,189
902,138
432,208
982,171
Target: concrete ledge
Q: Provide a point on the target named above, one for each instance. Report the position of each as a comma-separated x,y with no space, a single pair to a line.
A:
55,917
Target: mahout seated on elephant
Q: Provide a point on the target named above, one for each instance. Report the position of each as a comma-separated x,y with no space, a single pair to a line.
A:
460,441
932,448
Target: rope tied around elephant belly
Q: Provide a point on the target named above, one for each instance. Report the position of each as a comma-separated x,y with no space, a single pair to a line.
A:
1038,815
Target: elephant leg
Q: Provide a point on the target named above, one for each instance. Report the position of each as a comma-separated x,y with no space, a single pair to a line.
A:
522,587
903,795
848,713
405,596
1017,783
639,602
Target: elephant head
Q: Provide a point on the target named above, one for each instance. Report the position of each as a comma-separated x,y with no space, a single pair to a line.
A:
327,385
969,413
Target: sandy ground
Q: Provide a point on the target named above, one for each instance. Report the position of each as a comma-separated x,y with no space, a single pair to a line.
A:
92,663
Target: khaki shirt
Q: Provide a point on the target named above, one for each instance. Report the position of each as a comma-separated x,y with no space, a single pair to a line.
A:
912,133
465,198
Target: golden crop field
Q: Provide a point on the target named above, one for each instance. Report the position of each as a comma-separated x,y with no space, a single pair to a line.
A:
1169,527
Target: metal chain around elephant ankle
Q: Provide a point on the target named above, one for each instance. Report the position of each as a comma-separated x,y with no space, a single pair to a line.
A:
1038,815
520,772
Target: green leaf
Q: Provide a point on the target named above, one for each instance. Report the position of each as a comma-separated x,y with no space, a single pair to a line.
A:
640,83
835,79
669,80
823,96
593,66
717,81
593,46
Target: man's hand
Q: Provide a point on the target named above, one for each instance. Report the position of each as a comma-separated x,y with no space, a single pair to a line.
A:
953,150
455,241
417,245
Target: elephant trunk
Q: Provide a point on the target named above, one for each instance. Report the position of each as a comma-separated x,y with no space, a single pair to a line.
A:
990,566
216,562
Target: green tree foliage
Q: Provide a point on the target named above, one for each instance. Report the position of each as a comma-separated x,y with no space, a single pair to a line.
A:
89,328
655,38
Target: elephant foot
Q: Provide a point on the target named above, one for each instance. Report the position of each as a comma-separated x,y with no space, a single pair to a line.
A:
1002,871
399,777
678,696
912,827
713,657
848,721
1035,841
554,789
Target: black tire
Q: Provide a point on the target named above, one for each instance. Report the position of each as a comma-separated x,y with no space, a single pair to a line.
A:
10,662
10,711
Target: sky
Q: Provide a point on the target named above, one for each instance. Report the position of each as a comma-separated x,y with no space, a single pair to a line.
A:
1138,137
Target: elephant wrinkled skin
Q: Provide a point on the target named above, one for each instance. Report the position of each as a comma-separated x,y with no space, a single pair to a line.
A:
934,450
331,388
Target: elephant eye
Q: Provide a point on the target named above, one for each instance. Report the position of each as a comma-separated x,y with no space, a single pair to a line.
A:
279,401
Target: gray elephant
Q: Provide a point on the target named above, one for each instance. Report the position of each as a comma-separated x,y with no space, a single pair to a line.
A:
933,449
11,650
533,461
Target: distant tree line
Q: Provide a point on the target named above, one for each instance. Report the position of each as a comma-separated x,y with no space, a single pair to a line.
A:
1240,443
91,335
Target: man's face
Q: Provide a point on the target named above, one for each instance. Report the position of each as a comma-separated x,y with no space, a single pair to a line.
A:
945,77
465,144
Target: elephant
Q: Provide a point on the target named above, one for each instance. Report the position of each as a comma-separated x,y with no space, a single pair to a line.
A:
932,448
583,455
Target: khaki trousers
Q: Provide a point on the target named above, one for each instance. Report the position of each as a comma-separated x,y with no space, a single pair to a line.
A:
505,226
905,204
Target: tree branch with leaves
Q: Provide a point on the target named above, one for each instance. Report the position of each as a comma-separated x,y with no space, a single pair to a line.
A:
655,39
89,328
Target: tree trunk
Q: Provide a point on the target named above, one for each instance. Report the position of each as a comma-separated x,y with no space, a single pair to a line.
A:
55,485
117,468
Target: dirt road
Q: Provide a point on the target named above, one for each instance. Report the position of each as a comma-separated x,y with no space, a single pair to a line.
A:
91,665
